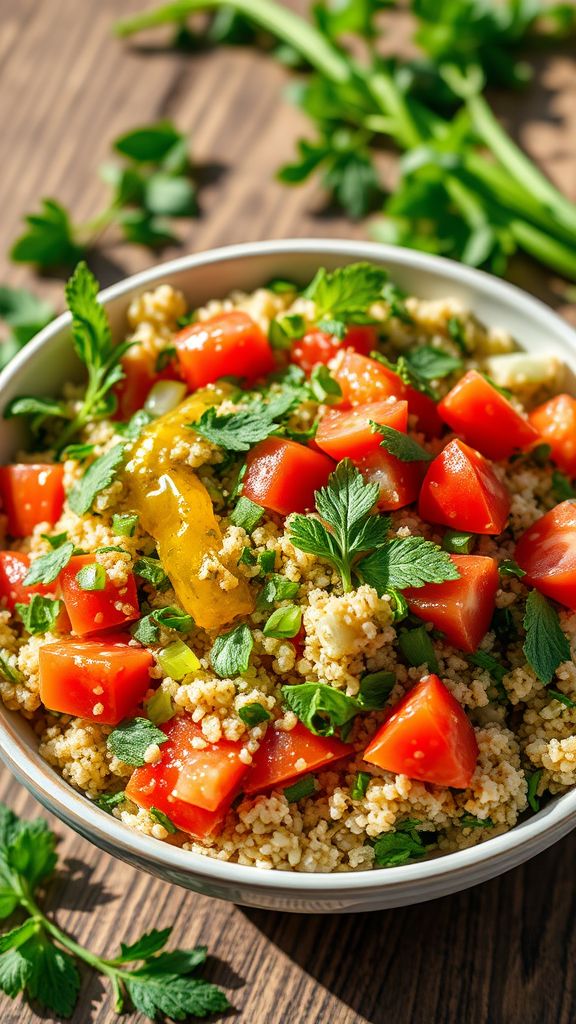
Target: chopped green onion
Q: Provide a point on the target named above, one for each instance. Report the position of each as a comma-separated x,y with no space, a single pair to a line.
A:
178,660
163,820
285,329
471,821
164,396
458,543
92,577
253,714
246,514
247,557
533,783
150,569
510,568
284,623
124,524
562,698
301,789
416,646
267,560
160,708
360,785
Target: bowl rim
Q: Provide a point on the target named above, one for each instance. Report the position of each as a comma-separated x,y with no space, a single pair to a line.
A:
77,810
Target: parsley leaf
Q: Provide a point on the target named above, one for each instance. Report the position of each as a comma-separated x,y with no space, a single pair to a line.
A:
130,740
427,363
404,843
238,431
546,646
407,562
50,238
151,570
230,654
97,477
40,615
401,445
533,780
46,568
322,708
347,292
277,588
348,529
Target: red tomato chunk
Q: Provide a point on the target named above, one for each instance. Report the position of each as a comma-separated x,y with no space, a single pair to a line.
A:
31,494
320,347
92,611
547,553
399,481
427,736
14,566
555,421
485,419
366,380
193,787
227,345
282,475
103,679
347,433
461,490
461,608
275,761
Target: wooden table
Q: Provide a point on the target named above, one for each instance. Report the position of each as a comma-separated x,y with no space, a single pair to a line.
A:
498,954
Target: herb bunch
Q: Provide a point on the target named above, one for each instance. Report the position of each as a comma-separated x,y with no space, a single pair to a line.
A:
40,960
465,189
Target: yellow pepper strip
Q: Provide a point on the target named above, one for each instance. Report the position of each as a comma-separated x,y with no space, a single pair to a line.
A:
175,508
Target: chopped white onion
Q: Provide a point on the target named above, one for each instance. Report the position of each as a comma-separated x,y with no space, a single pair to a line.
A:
164,396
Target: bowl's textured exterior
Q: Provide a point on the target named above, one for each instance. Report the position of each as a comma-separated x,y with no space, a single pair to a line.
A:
48,361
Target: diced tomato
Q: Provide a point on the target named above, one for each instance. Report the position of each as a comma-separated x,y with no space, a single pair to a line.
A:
193,787
427,736
275,761
555,422
347,433
31,493
320,347
461,608
547,553
103,679
365,380
425,409
461,490
92,611
14,566
139,366
227,345
399,482
282,475
485,419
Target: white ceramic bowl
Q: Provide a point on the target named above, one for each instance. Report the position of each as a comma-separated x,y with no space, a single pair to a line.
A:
48,361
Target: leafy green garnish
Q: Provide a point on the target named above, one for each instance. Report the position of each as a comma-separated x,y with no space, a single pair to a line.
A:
301,789
151,570
253,714
561,697
285,329
427,364
346,293
360,785
510,568
238,431
39,960
490,664
470,821
9,672
124,524
322,708
562,489
40,615
97,478
284,622
49,240
407,562
24,315
108,801
533,780
47,568
91,577
401,445
130,740
323,385
147,629
230,654
546,646
277,588
404,843
375,688
163,820
417,648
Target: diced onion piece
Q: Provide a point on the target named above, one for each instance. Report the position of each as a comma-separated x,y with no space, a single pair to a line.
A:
178,660
160,708
521,370
164,396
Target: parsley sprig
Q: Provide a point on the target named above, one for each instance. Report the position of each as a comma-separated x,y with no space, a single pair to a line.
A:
344,295
347,530
39,960
238,431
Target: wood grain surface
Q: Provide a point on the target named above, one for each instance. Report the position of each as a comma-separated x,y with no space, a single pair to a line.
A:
501,953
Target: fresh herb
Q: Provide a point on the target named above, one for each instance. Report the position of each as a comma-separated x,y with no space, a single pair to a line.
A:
246,514
39,960
322,708
546,646
458,543
230,654
277,588
124,524
40,615
281,286
345,294
56,540
284,622
407,562
324,387
561,697
267,561
147,629
286,329
404,843
253,714
153,184
375,688
510,568
24,315
130,740
135,425
533,779
417,648
77,452
163,820
108,801
399,444
428,364
490,664
360,785
9,672
97,478
150,569
91,577
562,489
300,790
238,431
471,821
47,568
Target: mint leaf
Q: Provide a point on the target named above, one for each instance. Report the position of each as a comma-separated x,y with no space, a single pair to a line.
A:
148,944
53,977
47,568
407,562
277,588
97,477
401,445
546,647
375,688
320,707
230,654
175,996
149,144
398,847
284,622
253,714
14,972
130,740
163,820
40,615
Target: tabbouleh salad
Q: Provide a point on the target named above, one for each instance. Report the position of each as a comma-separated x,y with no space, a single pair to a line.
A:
291,581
